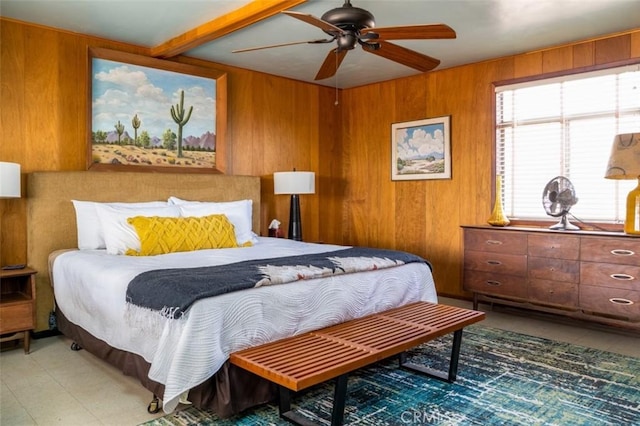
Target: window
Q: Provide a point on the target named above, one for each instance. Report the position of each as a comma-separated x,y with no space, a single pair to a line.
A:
565,126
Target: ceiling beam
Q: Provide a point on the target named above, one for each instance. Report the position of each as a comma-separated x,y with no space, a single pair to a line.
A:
248,14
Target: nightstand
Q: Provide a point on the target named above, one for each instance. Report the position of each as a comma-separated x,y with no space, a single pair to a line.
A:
17,305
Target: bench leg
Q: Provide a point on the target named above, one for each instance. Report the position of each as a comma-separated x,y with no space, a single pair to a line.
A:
337,413
339,396
451,375
284,407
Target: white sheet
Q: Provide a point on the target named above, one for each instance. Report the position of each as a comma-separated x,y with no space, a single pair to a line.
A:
90,288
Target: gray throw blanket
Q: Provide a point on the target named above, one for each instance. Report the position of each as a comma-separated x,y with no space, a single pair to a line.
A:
173,291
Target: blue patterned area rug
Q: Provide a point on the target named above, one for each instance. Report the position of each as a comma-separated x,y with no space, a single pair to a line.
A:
504,378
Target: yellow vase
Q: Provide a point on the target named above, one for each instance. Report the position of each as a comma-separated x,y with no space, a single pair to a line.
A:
498,217
632,221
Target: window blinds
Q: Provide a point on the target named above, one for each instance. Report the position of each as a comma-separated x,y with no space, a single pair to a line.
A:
565,127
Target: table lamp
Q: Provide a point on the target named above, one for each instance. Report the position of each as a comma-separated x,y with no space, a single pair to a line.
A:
624,163
9,180
294,183
10,188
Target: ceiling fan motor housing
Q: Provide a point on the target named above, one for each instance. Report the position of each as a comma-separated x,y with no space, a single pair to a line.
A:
349,18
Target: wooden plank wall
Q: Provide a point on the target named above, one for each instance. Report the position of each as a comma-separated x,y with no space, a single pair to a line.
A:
424,217
277,124
272,126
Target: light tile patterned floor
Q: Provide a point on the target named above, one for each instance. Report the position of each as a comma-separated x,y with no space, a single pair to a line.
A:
54,385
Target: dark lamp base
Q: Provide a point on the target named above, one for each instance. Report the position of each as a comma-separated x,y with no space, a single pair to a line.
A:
295,224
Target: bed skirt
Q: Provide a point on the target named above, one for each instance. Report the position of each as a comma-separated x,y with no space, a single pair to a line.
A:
230,391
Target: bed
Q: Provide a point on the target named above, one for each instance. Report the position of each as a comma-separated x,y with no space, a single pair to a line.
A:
187,354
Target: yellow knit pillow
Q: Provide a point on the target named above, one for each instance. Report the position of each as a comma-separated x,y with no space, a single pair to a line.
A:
160,235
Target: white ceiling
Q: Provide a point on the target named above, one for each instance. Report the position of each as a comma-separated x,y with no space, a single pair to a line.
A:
485,29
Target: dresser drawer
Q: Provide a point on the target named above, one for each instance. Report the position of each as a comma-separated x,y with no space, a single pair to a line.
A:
497,263
610,301
563,247
610,275
17,317
544,268
564,295
495,284
608,250
495,241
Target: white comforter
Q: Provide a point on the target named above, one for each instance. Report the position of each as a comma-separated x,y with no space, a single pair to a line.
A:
90,288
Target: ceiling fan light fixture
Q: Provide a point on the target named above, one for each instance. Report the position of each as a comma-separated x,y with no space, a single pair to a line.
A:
347,41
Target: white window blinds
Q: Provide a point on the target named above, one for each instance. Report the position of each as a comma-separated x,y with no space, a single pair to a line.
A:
565,127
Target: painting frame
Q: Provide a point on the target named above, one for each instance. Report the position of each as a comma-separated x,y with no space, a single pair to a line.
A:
202,158
429,140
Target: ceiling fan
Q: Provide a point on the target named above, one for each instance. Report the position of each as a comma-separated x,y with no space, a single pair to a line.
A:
348,26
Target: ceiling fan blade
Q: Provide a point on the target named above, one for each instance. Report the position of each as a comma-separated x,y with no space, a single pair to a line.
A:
412,32
249,49
404,56
317,22
331,64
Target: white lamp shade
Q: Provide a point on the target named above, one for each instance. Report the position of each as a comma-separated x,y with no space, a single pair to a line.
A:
9,180
294,183
624,162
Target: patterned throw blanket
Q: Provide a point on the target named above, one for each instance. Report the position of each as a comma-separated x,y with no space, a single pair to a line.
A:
172,291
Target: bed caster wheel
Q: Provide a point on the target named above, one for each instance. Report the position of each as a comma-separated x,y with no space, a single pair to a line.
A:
76,347
154,405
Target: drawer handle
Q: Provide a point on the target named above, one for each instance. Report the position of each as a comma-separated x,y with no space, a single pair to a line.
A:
623,277
621,301
622,252
494,262
493,283
493,242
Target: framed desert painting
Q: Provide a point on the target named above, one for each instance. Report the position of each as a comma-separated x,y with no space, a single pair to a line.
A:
148,114
421,149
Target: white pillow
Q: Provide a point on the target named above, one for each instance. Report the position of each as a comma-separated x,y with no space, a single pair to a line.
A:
119,236
239,213
90,233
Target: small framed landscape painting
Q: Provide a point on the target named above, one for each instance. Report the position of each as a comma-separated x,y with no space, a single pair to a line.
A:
148,114
421,149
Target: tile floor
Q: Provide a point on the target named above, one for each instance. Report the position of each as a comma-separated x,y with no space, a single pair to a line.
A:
54,385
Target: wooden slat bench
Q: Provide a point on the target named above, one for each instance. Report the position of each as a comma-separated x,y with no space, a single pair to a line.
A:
299,362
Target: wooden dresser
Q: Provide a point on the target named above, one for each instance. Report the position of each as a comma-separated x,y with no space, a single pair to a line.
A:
585,275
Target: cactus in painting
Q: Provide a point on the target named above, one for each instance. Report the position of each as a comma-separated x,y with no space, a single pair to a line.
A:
120,130
135,122
178,115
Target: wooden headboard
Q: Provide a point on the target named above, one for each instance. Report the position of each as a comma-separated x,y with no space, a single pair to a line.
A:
51,220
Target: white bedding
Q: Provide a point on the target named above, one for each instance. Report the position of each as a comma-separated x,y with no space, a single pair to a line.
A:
90,288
